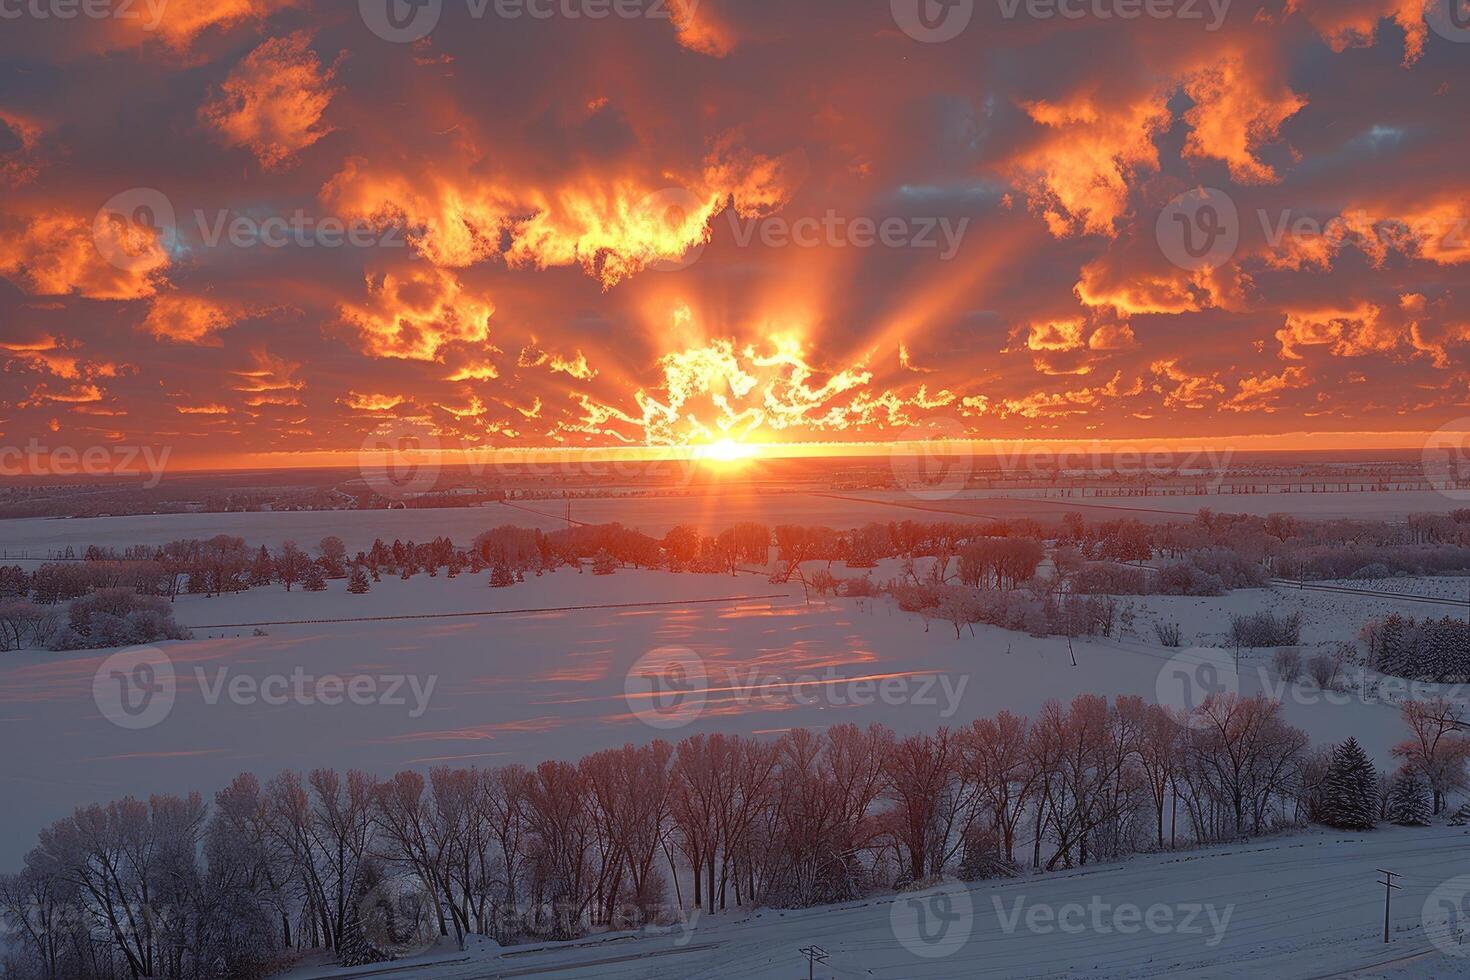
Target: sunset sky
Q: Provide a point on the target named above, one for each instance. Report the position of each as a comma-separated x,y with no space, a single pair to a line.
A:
628,231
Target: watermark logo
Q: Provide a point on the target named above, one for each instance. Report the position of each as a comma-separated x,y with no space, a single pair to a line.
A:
136,229
363,690
935,923
666,214
1446,460
401,21
1213,12
932,21
1199,229
131,228
1104,918
135,688
1450,19
150,12
400,461
1446,916
1191,677
935,462
667,688
35,459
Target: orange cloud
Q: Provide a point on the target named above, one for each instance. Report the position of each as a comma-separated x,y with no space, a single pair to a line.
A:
57,255
1058,335
698,30
1238,109
273,101
372,402
189,319
1078,176
1190,390
414,314
1350,332
1260,394
183,21
612,226
1355,23
576,367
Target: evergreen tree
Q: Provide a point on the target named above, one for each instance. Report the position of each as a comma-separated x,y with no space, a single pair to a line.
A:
1461,816
316,578
604,564
354,948
263,571
1390,642
1408,799
1350,792
500,576
357,582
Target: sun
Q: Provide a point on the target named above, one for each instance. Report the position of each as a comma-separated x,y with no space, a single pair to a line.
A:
725,452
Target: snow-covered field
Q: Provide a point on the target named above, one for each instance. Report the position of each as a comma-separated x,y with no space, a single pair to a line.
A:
1301,906
448,671
550,681
655,515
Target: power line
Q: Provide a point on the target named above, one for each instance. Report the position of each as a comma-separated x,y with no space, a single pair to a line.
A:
1388,887
814,955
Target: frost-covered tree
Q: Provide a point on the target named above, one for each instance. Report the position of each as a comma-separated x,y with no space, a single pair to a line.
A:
1350,794
357,582
1408,799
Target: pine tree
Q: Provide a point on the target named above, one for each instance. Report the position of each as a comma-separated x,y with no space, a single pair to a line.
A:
357,582
1408,799
1461,816
1350,792
604,564
315,580
355,949
1392,657
500,576
262,572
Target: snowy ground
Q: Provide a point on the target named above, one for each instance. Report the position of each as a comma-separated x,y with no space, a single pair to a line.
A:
655,515
1301,906
462,674
547,677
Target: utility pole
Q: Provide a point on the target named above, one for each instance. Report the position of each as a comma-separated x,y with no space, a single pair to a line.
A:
814,955
1388,887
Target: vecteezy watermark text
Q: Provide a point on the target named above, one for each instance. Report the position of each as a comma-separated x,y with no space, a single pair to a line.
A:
1213,12
136,688
670,687
833,230
138,227
1098,916
936,21
150,12
299,687
35,459
406,21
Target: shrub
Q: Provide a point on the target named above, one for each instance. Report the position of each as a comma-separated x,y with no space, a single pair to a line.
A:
1266,629
117,618
1102,578
1288,663
1324,670
1186,578
1168,634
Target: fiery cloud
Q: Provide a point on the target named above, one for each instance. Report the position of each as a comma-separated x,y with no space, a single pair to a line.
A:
600,256
273,101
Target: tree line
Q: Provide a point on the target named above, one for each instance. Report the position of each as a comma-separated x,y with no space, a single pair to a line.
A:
370,868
